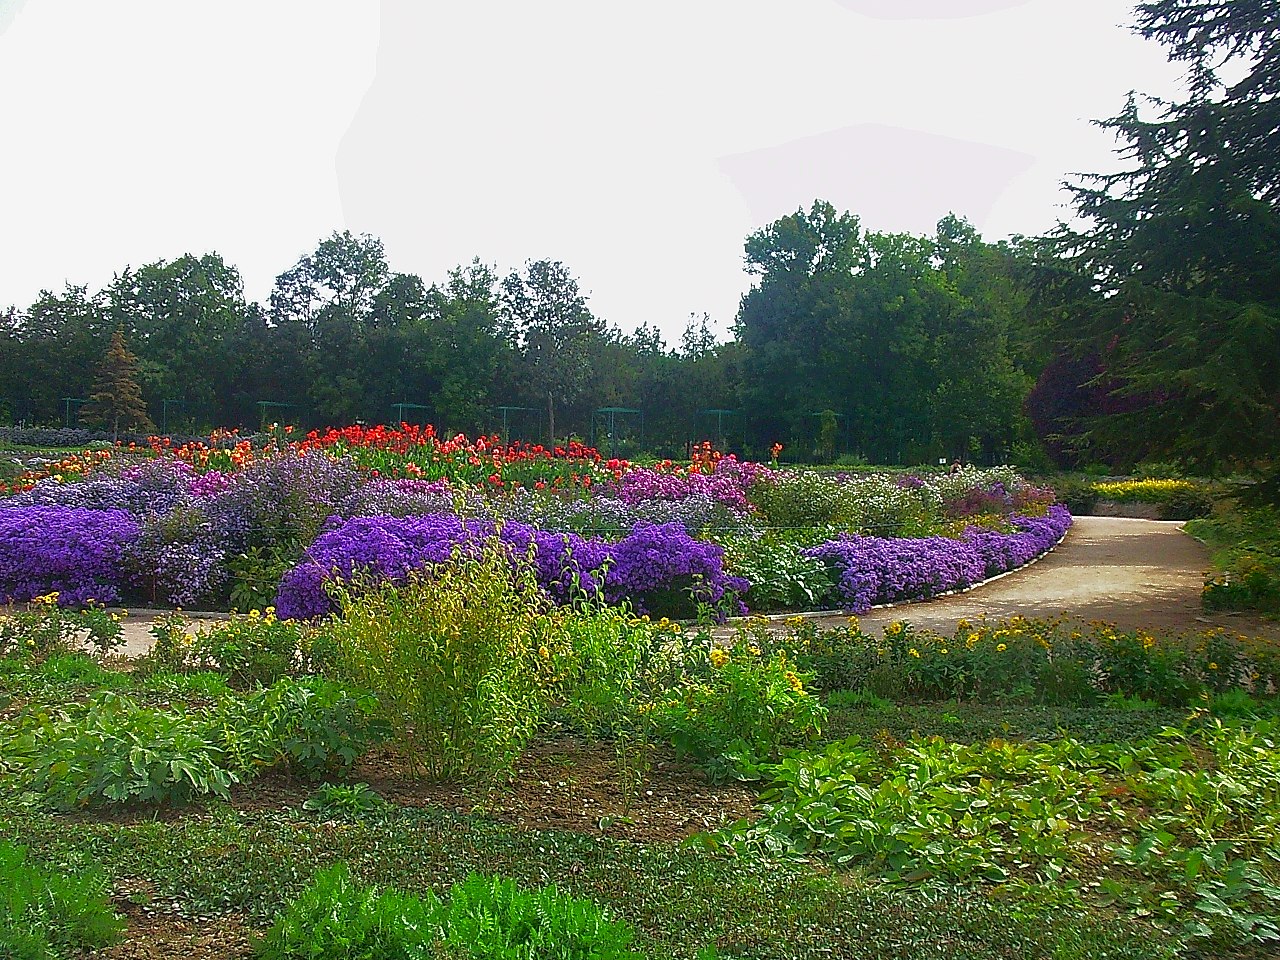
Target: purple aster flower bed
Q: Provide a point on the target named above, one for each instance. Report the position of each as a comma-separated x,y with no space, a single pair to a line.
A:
874,570
76,551
644,567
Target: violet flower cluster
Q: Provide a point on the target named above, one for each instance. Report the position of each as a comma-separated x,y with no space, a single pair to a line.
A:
874,570
644,567
75,551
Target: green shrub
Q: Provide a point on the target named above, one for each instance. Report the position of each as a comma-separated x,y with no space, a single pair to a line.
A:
312,726
336,918
801,498
460,659
344,801
114,751
48,915
45,629
781,577
739,702
255,649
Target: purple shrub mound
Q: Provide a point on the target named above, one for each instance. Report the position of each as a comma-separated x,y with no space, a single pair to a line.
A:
727,485
873,570
653,565
75,551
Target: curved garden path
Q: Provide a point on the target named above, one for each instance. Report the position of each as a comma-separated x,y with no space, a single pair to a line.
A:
1135,573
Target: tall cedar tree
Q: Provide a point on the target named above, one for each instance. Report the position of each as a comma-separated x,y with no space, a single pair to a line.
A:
1176,286
116,400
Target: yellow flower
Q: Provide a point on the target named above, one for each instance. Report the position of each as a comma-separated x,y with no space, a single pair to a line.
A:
914,652
794,682
544,653
944,651
1001,648
1213,666
718,657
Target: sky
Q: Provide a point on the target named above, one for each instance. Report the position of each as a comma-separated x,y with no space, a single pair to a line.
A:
640,144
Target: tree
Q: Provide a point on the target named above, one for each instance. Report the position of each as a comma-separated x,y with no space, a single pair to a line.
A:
189,321
1180,299
559,337
116,399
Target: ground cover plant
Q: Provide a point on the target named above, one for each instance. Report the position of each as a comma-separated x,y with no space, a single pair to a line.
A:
1122,803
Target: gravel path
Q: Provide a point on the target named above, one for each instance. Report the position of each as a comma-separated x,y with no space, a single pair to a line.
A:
1135,573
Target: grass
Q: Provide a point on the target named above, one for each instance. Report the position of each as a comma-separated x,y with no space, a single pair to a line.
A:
680,899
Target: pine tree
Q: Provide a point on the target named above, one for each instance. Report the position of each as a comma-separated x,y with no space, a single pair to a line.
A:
116,400
1176,285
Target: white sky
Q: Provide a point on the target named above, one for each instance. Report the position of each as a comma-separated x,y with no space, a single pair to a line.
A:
639,143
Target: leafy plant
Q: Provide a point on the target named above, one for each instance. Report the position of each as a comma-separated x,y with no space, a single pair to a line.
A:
45,629
456,659
738,702
344,801
337,918
114,751
312,726
256,649
48,915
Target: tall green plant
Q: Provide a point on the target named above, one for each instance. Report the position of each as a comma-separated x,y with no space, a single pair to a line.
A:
459,658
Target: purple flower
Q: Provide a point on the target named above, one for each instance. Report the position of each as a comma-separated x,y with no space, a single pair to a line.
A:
873,570
75,551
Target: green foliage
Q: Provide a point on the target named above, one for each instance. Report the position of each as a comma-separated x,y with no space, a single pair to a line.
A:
255,574
45,629
50,915
336,918
1033,661
781,577
311,726
493,917
257,649
112,750
1140,826
455,658
1246,552
344,801
738,702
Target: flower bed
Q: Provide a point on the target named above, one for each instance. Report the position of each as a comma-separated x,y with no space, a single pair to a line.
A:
236,523
875,570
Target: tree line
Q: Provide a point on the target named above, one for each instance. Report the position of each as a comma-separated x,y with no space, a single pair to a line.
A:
1149,329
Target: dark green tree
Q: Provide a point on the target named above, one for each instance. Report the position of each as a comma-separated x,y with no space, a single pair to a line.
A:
560,340
1176,282
116,398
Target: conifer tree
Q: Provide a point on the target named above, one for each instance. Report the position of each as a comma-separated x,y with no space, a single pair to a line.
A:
116,400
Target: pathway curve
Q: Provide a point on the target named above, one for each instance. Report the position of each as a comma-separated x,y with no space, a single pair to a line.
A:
1135,573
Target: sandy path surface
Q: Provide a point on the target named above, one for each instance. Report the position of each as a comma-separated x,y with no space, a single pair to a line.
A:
1135,573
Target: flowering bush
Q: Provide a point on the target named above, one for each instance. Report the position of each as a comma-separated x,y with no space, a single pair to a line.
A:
72,551
872,570
653,565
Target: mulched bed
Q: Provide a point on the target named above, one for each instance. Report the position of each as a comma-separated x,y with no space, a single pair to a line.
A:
562,783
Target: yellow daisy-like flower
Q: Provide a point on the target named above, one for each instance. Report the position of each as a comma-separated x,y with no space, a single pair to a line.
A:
718,657
1001,648
1213,666
794,682
544,653
914,652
